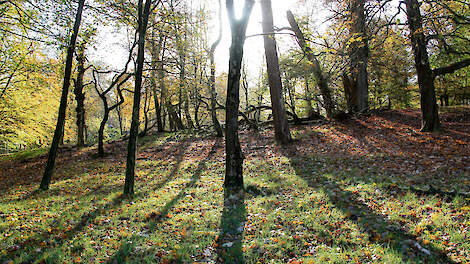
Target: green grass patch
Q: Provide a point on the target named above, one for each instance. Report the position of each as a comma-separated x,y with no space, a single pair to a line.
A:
24,155
301,209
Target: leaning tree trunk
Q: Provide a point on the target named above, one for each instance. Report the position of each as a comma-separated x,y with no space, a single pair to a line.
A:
281,126
153,79
359,56
317,71
215,121
118,82
234,156
80,95
49,170
425,74
143,18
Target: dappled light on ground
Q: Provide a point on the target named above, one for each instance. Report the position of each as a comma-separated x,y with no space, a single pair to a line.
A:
370,189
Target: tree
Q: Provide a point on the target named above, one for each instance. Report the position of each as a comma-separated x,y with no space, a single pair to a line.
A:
213,93
80,95
155,52
49,170
281,126
234,156
316,68
426,75
391,70
143,17
117,82
359,55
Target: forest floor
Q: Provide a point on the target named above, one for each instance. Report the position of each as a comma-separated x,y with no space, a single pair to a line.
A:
372,189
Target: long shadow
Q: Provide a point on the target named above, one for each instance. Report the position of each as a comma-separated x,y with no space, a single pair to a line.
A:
51,239
87,218
230,240
155,218
178,151
452,121
410,118
422,154
357,130
351,204
29,171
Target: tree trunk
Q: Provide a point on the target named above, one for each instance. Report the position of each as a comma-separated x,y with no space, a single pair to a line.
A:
49,170
359,55
196,95
234,156
80,96
153,79
143,17
281,126
429,110
119,114
102,127
213,93
184,89
106,108
350,93
317,71
165,102
308,99
146,116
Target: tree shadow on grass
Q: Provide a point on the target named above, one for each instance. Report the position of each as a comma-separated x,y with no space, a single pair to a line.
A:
386,153
49,239
230,240
125,251
178,151
28,172
399,239
58,237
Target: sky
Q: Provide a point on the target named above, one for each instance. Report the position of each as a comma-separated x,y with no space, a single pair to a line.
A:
254,49
112,51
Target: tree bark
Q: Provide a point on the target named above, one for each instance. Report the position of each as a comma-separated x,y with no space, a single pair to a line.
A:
165,102
350,93
429,109
119,114
183,86
359,56
49,170
215,121
146,116
308,98
104,120
143,18
80,95
317,71
153,79
281,126
234,157
117,82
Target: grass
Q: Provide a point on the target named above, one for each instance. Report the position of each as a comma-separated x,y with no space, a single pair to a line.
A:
23,155
298,208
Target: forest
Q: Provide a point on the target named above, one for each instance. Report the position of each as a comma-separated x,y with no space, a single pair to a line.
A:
222,131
